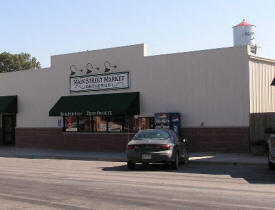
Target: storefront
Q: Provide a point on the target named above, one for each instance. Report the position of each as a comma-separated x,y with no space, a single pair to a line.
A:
97,100
98,113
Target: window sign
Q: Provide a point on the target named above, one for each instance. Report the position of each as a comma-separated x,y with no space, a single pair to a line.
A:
70,121
87,113
59,123
119,80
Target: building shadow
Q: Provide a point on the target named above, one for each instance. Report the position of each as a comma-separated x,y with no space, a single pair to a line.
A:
254,174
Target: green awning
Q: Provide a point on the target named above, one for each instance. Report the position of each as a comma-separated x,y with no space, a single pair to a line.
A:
97,104
8,104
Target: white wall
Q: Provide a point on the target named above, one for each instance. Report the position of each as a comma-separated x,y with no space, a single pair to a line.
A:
210,86
36,92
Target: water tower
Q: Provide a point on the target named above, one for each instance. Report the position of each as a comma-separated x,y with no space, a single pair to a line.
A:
244,34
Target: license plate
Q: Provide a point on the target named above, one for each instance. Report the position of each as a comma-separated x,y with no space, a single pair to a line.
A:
146,156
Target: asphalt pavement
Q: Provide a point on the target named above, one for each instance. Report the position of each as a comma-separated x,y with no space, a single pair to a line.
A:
102,185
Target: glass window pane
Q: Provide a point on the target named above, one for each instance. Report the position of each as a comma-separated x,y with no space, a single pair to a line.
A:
100,123
115,123
85,124
130,124
146,123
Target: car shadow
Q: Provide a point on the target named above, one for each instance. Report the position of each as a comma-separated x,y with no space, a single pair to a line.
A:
254,174
140,167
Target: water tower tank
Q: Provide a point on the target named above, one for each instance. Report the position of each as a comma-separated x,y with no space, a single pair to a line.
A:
244,34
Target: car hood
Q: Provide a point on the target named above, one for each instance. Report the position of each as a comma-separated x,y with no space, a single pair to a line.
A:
148,141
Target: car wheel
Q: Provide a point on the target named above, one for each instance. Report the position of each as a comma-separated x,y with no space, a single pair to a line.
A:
175,163
131,165
270,164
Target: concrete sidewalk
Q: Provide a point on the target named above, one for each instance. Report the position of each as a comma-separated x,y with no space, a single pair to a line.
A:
203,158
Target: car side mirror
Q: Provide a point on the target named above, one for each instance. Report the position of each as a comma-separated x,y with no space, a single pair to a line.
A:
268,130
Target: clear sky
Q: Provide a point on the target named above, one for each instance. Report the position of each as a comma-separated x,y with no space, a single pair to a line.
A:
51,27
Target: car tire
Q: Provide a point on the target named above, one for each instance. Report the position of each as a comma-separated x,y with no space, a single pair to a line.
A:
270,164
131,165
175,163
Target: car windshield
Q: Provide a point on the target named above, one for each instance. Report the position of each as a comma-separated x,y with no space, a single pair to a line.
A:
152,134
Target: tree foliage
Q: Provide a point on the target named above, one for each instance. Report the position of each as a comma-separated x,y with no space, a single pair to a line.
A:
16,62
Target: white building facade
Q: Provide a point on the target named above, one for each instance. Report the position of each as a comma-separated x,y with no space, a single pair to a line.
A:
216,92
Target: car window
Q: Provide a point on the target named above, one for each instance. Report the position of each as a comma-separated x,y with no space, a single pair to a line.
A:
152,134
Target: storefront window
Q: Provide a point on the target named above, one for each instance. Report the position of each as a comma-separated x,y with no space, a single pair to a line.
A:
70,123
146,123
100,123
85,124
131,124
115,123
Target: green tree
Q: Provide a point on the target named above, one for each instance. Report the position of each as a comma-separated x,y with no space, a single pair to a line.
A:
17,62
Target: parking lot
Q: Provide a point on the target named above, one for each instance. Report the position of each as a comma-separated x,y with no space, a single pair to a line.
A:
77,184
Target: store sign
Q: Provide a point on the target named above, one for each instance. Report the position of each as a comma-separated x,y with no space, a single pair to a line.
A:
119,80
87,113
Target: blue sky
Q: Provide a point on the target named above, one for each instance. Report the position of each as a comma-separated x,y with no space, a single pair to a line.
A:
52,27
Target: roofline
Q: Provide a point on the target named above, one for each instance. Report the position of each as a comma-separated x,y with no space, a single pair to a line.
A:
196,51
108,48
257,58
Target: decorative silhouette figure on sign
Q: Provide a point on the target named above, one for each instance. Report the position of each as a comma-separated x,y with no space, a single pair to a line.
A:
108,66
90,68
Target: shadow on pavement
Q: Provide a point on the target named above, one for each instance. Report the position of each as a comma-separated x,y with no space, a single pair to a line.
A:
140,167
38,153
51,157
252,174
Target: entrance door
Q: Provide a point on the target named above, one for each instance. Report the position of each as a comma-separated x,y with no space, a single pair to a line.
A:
9,129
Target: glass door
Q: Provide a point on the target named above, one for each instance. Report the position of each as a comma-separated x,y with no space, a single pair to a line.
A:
8,125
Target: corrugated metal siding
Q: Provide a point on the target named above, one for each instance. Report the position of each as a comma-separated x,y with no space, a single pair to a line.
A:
262,94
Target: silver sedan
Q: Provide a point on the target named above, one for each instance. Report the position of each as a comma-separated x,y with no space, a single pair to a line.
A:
156,146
